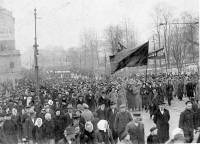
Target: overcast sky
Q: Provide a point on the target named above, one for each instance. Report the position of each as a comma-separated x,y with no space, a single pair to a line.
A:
62,20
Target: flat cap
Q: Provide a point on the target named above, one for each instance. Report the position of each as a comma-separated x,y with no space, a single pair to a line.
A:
122,106
85,105
152,129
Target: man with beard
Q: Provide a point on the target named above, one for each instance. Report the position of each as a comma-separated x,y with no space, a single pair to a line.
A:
122,119
161,119
187,122
111,115
58,121
136,129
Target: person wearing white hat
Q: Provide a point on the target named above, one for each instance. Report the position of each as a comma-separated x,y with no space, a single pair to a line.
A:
89,134
103,134
37,131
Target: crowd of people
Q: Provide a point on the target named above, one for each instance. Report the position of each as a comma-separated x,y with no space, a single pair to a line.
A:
94,111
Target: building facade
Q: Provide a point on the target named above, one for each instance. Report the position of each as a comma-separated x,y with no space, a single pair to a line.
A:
10,61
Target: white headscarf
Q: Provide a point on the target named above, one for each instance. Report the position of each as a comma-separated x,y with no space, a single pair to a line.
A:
88,123
37,123
102,125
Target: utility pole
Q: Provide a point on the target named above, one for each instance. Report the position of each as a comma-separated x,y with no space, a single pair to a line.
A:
105,61
155,55
36,58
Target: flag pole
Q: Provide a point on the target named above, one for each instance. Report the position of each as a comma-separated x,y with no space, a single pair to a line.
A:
146,66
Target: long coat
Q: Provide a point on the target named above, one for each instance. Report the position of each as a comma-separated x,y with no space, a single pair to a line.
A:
104,137
10,130
111,118
90,100
162,122
130,98
59,129
136,132
29,125
187,121
101,114
180,90
121,120
48,129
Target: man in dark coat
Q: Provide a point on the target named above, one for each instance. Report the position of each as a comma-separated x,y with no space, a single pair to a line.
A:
59,129
187,122
169,91
136,129
10,129
101,112
68,117
29,125
144,95
122,119
69,136
90,100
111,115
3,139
190,89
161,119
180,89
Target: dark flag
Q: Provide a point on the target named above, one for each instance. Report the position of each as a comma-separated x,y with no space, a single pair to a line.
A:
155,55
130,58
121,47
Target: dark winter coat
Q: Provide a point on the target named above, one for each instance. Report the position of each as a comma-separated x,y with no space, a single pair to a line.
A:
111,119
80,102
68,120
187,121
101,114
59,128
190,89
121,120
104,137
198,117
3,139
48,129
169,90
162,123
88,137
38,134
180,90
130,96
29,125
94,122
153,139
136,132
90,100
10,131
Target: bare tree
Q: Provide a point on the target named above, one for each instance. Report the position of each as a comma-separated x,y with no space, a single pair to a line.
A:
179,46
130,34
113,35
162,15
192,34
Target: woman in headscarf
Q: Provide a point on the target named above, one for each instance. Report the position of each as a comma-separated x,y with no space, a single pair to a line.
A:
88,134
37,132
103,133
